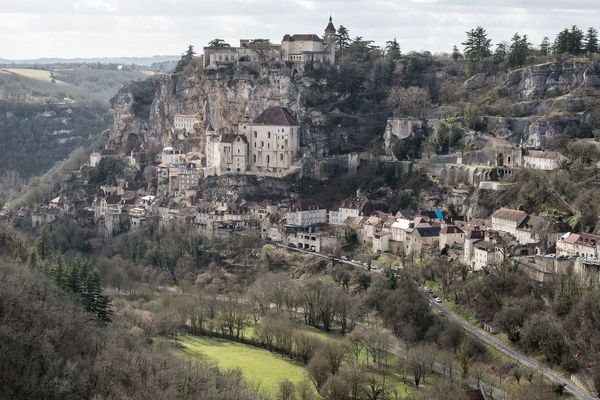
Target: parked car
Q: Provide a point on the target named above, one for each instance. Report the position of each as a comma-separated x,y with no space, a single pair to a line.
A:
437,300
441,313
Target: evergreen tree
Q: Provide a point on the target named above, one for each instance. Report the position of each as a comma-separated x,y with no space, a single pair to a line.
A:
519,49
500,53
545,46
392,49
33,259
456,55
73,277
477,45
59,274
218,44
561,43
186,59
591,41
575,41
92,290
342,40
43,244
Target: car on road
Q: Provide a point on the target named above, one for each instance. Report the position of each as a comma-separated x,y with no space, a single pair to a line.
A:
345,258
441,313
437,300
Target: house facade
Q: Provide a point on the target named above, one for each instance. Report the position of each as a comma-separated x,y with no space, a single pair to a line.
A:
508,220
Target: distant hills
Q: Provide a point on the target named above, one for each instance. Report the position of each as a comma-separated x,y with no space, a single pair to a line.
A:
147,61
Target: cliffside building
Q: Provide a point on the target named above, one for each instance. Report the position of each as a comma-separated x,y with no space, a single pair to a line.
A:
269,145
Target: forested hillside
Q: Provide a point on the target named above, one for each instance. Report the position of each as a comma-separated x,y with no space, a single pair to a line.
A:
45,114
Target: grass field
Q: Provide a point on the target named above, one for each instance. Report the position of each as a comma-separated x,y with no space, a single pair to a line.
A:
259,366
40,74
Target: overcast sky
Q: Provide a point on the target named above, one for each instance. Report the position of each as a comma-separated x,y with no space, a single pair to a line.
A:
98,28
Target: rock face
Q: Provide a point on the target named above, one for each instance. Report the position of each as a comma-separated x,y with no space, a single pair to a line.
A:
144,111
554,79
549,100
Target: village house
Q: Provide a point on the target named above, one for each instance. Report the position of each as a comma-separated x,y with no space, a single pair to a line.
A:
471,237
306,213
169,155
541,230
544,160
450,236
485,254
423,238
349,208
508,220
137,217
578,245
43,215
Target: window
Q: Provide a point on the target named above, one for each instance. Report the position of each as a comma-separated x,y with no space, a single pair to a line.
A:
254,158
255,133
268,145
269,135
268,159
281,157
262,144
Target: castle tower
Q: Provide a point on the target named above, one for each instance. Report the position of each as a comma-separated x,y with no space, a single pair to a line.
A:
330,32
329,40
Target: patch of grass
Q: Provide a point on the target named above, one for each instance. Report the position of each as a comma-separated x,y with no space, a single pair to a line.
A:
257,365
40,74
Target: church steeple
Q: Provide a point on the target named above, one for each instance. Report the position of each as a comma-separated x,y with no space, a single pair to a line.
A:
330,31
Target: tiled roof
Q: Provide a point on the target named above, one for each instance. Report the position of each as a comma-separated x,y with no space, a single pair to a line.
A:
450,229
276,116
485,245
310,37
510,214
550,155
231,137
428,232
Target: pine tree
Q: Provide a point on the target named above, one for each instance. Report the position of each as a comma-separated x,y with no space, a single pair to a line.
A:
591,41
186,59
456,55
392,49
342,40
43,244
545,46
575,41
33,259
477,45
500,53
59,274
561,43
92,290
519,49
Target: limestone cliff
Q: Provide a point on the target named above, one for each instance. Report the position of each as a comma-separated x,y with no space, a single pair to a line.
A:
144,111
546,100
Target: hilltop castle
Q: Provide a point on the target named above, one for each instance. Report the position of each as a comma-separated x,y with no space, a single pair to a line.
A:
300,48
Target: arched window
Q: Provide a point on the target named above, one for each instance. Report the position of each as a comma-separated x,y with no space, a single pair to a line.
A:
254,158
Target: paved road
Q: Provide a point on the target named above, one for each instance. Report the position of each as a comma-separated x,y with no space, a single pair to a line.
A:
493,341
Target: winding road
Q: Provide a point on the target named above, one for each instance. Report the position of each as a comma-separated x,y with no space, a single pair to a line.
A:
490,339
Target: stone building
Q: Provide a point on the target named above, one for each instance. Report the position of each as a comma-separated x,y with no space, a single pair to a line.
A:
544,160
310,47
183,122
226,153
349,208
306,213
300,48
508,220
